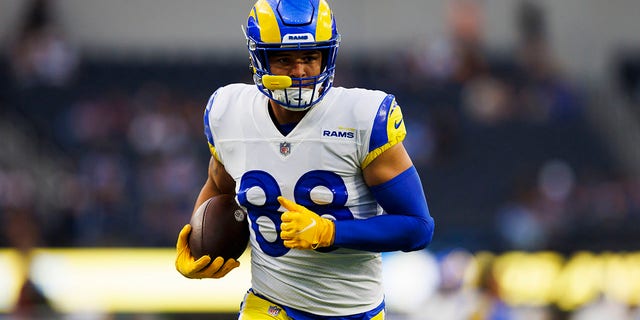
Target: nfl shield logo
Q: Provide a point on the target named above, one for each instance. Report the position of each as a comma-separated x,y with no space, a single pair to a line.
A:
274,311
285,148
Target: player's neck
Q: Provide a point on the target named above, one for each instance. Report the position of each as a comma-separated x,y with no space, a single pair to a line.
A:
287,121
282,116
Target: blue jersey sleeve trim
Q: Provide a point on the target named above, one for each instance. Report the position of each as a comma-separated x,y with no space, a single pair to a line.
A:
207,128
379,134
407,226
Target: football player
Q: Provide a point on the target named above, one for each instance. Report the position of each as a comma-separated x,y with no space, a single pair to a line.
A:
321,171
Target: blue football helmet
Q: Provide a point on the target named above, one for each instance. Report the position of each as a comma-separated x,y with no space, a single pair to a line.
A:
284,25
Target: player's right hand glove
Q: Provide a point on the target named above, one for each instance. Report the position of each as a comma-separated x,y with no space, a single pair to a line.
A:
204,267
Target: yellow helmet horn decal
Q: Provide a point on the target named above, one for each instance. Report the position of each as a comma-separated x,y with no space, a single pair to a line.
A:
269,30
325,20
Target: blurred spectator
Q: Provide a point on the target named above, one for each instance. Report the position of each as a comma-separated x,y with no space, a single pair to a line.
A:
627,72
519,224
466,25
40,55
458,55
540,208
488,100
544,94
490,304
22,229
23,233
32,303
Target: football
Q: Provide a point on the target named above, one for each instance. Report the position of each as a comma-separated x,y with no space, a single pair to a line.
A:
219,228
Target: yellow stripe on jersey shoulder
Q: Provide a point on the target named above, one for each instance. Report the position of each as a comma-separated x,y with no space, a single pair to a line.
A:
388,129
214,152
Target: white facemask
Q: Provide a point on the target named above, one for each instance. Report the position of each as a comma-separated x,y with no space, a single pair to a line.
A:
296,96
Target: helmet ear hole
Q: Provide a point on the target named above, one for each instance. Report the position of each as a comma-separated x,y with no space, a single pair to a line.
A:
325,58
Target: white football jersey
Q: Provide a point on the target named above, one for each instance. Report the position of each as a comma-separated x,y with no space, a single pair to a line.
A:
318,165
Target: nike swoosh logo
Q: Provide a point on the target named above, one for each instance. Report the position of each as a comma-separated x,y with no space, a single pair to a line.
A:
311,225
397,124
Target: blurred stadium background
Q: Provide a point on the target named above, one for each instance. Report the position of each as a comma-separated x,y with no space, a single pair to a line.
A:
523,119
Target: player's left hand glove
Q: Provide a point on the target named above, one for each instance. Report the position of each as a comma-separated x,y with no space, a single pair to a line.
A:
204,267
303,228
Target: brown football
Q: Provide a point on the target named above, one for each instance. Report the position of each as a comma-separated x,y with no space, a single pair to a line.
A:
219,228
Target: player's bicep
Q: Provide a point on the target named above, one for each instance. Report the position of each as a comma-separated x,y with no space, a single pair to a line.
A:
387,165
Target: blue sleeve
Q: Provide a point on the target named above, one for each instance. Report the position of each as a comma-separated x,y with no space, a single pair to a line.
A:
407,226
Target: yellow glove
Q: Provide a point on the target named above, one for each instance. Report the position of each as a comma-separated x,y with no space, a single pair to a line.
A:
303,228
189,267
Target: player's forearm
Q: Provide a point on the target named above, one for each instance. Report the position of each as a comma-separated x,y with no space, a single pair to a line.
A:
407,225
385,233
218,182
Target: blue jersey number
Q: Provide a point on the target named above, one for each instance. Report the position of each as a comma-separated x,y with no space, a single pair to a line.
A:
267,213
